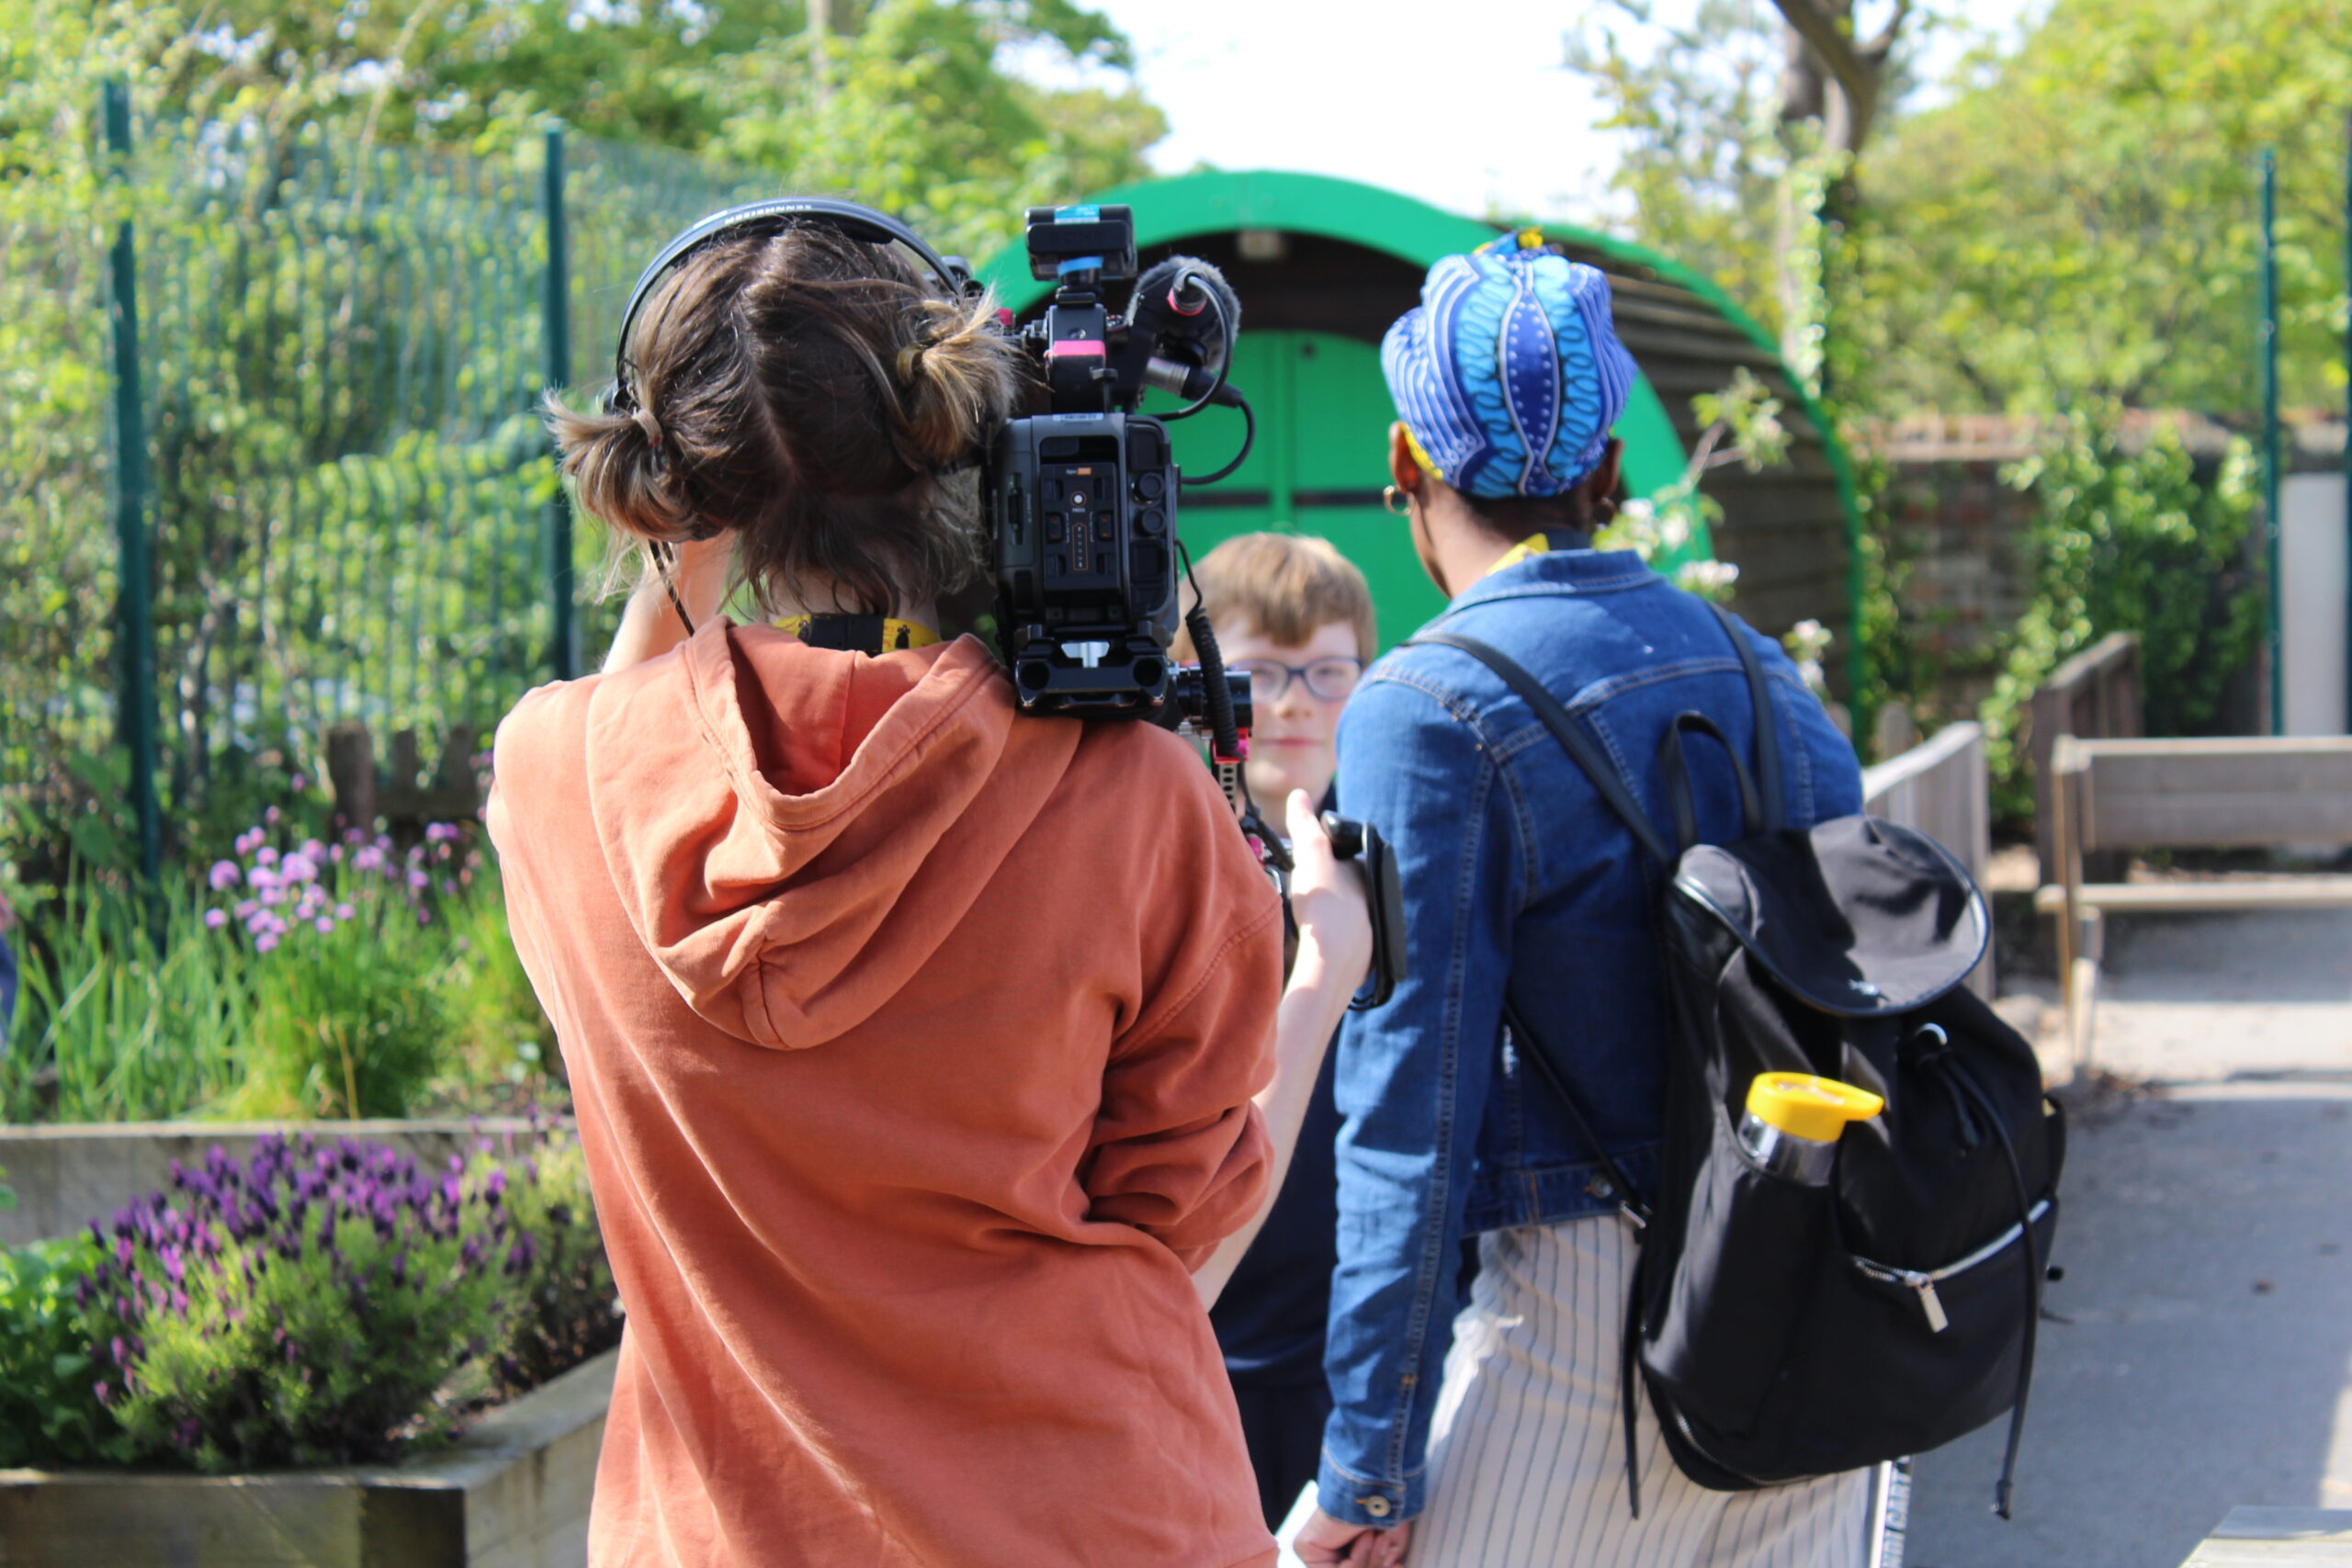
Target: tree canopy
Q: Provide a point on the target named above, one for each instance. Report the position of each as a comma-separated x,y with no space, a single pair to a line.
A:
2081,222
2073,219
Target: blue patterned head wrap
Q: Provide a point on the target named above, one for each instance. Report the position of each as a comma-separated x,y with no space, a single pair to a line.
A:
1507,375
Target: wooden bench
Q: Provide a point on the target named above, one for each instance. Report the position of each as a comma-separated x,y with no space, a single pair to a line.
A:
2234,792
2277,1538
2095,694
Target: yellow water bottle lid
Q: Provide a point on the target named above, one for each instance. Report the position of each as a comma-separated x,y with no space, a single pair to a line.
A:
1804,1106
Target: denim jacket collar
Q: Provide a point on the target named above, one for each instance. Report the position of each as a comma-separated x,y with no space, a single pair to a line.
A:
1557,572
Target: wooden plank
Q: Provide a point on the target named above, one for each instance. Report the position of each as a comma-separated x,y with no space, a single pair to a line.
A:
513,1492
2243,790
2188,898
2215,819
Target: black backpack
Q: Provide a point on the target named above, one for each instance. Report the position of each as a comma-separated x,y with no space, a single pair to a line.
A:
1787,1331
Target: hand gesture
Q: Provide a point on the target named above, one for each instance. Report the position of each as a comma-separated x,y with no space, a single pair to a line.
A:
1327,899
1326,1542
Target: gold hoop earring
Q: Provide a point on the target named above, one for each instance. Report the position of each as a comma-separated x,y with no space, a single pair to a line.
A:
1389,497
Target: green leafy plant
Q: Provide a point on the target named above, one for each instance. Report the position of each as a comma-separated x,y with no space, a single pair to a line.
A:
570,1309
1671,528
2136,542
351,1009
322,1303
132,1008
49,1410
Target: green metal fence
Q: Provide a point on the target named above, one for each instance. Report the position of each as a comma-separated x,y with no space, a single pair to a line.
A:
346,494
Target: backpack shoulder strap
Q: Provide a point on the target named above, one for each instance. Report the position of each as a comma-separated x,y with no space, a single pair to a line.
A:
1565,729
1768,726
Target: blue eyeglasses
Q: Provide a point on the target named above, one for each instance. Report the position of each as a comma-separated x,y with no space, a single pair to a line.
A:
1329,679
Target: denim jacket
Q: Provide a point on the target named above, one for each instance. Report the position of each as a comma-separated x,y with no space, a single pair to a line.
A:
1517,876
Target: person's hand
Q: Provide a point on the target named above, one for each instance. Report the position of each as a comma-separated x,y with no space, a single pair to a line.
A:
1327,899
1326,1542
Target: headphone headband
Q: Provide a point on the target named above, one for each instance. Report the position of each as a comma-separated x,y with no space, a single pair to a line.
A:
774,215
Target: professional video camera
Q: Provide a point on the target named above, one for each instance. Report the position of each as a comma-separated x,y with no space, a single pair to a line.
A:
1081,500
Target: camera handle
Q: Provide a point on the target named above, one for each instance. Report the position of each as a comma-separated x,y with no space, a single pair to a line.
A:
1362,843
1359,844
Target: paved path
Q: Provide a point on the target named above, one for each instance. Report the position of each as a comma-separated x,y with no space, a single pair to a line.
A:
2207,1239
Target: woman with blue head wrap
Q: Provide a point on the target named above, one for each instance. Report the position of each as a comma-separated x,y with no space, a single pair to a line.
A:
1485,1433
1507,376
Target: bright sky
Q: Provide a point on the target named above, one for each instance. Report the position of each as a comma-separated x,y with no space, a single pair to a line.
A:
1462,103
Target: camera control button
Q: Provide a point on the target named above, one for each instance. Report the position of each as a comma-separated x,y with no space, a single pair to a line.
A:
1149,519
1151,486
1105,528
1055,533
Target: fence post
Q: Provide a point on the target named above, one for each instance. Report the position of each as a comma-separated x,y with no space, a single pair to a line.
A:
135,593
2271,528
555,319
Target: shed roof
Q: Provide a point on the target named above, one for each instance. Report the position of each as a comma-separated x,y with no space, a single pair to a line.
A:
1355,264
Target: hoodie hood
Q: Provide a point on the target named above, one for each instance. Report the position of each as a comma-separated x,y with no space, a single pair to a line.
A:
795,830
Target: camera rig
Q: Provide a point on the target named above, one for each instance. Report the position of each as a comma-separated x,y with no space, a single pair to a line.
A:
1080,498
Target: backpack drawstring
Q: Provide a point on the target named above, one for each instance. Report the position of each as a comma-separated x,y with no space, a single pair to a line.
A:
1956,1072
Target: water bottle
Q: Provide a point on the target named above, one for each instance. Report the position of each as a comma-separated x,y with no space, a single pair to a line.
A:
1793,1121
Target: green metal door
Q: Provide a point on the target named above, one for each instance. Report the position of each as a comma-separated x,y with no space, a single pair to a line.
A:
1320,461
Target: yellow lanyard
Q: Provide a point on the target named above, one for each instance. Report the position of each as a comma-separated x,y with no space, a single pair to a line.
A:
1534,545
859,633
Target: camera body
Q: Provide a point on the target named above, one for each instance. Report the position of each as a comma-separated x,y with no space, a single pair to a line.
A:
1081,499
1081,513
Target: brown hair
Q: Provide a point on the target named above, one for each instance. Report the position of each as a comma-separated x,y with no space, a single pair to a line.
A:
815,396
1285,585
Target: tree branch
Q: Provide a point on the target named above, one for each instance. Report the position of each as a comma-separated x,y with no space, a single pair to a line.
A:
1813,21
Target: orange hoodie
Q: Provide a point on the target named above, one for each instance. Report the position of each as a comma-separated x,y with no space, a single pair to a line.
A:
912,1044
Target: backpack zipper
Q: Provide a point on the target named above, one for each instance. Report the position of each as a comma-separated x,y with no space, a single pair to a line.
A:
1923,1280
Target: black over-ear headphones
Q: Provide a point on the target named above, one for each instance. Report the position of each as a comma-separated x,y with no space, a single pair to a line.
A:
773,217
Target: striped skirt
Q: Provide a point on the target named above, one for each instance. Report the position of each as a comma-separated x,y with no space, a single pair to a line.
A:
1527,1460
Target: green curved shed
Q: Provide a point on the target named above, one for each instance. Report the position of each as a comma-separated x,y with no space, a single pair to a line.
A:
1323,267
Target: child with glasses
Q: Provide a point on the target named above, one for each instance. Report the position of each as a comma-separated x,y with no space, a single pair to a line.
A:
1297,616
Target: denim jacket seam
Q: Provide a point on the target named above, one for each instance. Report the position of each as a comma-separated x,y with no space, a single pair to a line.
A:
1427,1267
1369,1479
1457,705
1613,583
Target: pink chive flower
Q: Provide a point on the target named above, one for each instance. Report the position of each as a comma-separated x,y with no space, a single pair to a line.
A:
264,941
299,868
344,911
271,816
266,856
418,880
215,919
245,908
324,923
224,875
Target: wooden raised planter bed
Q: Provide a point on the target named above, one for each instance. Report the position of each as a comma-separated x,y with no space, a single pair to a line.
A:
68,1173
511,1491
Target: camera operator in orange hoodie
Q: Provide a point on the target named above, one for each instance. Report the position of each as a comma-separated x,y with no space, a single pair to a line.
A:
925,1056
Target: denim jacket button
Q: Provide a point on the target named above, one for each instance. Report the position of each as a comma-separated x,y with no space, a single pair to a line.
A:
1376,1507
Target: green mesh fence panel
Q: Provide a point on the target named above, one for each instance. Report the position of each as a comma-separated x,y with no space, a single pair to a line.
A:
343,351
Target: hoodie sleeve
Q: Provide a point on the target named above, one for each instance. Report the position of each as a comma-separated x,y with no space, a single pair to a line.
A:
1179,1151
